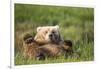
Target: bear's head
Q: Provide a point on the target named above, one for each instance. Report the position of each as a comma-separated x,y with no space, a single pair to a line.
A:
47,34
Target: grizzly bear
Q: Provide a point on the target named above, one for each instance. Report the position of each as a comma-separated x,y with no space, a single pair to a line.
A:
51,41
46,43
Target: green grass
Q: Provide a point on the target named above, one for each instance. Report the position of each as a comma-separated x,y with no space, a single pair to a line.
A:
83,53
76,24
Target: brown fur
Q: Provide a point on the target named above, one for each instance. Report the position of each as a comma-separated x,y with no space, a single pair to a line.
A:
33,50
51,50
54,50
30,47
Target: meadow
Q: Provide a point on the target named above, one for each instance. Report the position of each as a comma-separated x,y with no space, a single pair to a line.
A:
76,24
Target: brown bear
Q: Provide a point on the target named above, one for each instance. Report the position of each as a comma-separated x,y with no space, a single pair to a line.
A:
51,41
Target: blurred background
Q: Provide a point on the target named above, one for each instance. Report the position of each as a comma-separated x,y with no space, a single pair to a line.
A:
76,24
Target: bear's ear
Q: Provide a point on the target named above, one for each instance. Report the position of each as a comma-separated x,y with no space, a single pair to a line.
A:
38,29
57,27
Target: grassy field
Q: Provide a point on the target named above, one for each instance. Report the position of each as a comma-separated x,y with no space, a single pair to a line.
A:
76,24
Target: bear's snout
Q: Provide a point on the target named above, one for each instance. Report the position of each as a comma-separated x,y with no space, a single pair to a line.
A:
50,35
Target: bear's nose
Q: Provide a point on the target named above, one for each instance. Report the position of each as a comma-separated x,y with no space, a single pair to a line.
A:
50,35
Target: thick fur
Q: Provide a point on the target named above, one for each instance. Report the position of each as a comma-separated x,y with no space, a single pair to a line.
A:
48,34
54,50
33,50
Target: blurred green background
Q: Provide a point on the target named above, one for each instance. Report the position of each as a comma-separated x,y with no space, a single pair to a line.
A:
76,24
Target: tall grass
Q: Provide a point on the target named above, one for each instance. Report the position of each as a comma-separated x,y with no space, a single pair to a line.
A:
76,24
